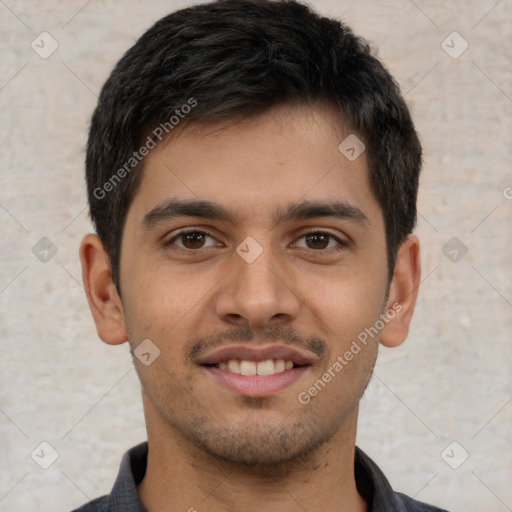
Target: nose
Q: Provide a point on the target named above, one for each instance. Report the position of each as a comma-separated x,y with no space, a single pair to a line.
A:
257,294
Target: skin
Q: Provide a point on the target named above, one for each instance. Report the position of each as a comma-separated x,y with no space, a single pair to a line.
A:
211,448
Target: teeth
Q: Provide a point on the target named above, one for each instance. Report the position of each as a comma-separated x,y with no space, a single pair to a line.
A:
265,367
247,367
268,367
279,365
234,366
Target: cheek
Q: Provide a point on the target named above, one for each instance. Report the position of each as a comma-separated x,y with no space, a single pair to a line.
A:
162,304
348,303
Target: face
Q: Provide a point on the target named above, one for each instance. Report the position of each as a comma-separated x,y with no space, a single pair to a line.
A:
255,247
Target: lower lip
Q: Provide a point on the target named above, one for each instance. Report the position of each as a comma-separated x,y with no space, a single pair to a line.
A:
256,385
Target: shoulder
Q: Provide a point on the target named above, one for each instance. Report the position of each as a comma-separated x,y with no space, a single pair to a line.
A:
96,505
124,492
375,488
411,505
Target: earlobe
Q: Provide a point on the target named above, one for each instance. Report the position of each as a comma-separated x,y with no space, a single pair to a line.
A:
403,293
104,301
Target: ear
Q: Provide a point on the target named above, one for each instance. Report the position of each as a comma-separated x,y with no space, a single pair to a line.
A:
104,301
402,293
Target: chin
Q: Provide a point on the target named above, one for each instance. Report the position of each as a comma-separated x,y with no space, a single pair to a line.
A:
262,446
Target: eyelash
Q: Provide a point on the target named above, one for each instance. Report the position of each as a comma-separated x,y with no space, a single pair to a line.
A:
341,244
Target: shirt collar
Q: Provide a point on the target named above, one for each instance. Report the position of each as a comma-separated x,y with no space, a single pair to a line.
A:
373,486
371,483
131,472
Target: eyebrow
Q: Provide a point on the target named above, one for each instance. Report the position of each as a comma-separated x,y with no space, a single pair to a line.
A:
172,208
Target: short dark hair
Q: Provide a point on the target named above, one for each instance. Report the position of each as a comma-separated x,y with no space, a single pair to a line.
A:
233,59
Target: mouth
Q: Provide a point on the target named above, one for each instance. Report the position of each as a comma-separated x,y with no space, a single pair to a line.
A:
246,367
255,372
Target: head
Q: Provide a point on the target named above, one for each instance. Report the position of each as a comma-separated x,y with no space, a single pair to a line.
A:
229,116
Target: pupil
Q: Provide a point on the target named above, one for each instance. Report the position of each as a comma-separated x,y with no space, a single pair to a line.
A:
193,240
318,241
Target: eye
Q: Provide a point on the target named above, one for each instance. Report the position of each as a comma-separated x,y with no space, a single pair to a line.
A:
319,240
192,240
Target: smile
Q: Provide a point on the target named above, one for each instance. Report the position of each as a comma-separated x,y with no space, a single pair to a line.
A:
246,367
255,379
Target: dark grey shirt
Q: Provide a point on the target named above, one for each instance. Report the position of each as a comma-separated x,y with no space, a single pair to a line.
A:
371,484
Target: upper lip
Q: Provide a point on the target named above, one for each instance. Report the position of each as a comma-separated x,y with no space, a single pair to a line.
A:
257,354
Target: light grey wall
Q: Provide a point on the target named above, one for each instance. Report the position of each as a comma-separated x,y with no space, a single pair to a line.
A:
449,383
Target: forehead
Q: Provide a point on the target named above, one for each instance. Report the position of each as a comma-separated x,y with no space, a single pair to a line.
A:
256,166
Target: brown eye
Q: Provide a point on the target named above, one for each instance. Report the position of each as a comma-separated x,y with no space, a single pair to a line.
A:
192,240
317,240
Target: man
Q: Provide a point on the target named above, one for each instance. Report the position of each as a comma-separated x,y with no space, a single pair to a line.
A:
252,174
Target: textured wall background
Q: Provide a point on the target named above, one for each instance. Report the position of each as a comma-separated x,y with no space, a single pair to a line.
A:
449,383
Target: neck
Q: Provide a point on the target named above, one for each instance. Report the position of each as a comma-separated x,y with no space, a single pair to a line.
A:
181,476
